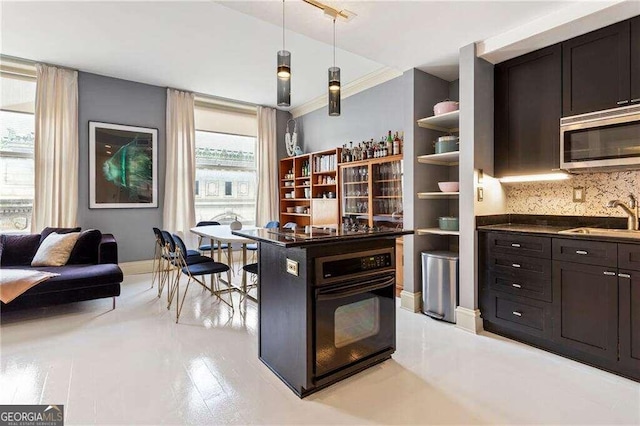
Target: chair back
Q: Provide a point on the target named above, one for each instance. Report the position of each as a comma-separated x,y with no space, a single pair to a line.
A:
207,223
169,240
180,245
272,224
159,237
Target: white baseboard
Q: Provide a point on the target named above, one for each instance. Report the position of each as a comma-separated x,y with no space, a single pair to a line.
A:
469,320
411,301
137,267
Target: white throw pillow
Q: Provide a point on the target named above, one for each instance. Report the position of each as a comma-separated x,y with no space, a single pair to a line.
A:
55,249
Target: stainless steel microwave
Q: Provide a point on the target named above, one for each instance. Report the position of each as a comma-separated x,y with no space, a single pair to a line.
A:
606,140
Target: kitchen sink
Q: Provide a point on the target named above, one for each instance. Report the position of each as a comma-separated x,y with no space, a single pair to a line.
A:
602,232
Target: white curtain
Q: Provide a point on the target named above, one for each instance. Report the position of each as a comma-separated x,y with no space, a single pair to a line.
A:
56,148
179,213
267,165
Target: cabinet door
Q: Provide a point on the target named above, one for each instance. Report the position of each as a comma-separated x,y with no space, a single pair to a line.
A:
635,60
596,70
527,113
585,303
629,285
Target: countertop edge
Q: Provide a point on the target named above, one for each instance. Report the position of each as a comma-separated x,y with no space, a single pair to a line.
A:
556,234
330,240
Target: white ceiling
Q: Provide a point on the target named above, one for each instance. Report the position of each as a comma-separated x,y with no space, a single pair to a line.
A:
228,49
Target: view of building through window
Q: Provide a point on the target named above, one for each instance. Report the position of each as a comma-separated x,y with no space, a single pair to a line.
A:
16,171
225,178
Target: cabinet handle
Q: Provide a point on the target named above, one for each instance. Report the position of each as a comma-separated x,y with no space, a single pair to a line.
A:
610,274
516,285
516,245
622,102
515,265
516,313
583,252
624,275
635,100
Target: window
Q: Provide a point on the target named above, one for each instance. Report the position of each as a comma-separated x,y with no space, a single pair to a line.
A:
225,163
17,129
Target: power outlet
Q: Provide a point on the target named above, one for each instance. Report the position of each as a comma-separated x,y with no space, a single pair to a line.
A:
480,194
292,267
578,194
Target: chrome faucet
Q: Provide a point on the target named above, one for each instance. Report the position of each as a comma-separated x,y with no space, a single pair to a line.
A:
631,210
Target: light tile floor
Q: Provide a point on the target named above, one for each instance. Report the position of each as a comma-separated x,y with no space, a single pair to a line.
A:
134,365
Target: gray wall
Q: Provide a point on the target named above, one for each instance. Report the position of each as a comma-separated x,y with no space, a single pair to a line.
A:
281,128
365,115
117,101
454,90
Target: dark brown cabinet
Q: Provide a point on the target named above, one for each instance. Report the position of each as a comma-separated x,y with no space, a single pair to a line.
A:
528,105
596,70
586,308
629,285
635,60
576,297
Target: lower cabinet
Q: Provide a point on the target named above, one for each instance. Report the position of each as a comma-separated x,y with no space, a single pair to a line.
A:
586,308
629,285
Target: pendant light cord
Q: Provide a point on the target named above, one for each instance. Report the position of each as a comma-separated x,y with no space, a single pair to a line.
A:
283,25
334,42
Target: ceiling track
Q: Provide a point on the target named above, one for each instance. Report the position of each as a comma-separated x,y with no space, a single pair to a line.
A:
343,14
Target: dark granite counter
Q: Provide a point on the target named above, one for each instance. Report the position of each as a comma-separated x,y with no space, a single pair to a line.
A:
316,235
525,228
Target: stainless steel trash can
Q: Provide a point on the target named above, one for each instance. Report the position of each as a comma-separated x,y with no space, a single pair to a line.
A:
440,284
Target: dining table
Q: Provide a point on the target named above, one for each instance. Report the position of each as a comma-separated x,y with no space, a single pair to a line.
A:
219,235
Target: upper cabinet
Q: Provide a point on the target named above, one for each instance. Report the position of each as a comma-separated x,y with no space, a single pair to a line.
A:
528,103
596,72
635,59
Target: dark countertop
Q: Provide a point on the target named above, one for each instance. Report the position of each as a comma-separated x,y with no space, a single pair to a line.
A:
318,235
555,231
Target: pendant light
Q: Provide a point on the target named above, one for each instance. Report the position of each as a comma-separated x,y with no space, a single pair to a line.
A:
334,81
284,71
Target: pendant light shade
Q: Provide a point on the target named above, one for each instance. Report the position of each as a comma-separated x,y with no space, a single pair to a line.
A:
334,81
334,91
284,71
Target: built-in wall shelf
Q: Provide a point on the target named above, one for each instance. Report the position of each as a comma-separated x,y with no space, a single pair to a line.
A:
444,159
435,231
449,122
436,195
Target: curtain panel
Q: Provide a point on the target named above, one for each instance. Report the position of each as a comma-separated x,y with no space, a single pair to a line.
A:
179,193
56,148
267,167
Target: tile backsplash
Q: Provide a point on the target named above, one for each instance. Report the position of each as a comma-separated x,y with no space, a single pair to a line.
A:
556,198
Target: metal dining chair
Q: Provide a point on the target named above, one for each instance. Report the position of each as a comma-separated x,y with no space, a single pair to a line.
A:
207,247
252,269
196,269
170,263
158,248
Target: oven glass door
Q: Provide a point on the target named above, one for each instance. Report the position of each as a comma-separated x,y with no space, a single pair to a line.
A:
611,142
353,321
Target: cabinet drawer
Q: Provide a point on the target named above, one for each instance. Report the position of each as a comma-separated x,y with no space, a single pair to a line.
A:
523,245
588,252
521,267
520,286
519,314
629,256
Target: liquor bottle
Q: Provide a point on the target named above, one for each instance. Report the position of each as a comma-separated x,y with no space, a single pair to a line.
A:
350,152
389,141
396,145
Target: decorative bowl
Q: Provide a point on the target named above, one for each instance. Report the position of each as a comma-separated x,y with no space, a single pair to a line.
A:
448,223
445,107
291,209
449,186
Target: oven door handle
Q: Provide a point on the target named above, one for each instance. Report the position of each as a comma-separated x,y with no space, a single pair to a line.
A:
353,289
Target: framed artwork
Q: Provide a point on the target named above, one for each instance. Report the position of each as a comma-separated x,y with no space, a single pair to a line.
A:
123,166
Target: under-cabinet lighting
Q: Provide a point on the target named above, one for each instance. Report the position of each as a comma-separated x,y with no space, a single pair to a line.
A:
535,178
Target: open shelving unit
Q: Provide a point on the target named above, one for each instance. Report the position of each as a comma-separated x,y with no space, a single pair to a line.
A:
447,201
320,181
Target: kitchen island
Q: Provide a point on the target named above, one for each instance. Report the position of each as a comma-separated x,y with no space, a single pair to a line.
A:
327,302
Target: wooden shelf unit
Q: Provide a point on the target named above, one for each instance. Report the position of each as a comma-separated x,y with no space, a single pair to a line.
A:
321,180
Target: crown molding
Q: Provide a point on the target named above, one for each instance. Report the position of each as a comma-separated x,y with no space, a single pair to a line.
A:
368,81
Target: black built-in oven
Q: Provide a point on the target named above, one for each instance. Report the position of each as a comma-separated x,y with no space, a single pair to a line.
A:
354,309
